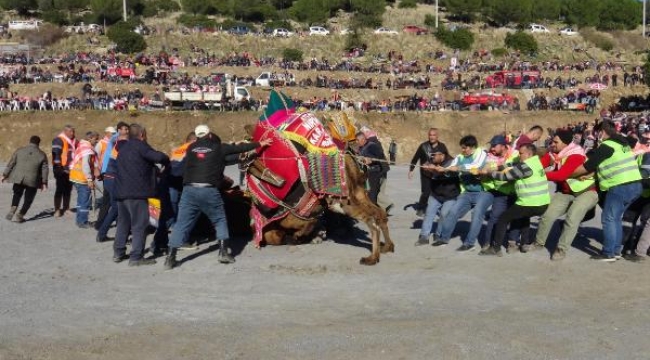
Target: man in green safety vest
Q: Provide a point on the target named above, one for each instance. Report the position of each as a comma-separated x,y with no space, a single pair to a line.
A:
533,197
574,198
619,177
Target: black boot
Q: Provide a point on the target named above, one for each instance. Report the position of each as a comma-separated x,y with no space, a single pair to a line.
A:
224,256
170,261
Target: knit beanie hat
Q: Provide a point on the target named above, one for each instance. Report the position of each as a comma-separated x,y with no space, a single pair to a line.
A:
565,135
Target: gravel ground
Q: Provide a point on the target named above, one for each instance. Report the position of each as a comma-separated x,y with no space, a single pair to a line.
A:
63,298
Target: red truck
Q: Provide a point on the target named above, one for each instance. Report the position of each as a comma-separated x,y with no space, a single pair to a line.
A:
513,79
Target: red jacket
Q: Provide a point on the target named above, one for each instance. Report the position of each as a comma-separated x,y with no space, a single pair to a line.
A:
560,176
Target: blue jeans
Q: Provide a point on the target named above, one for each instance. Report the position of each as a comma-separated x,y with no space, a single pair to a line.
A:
83,203
174,197
111,216
618,199
480,201
194,201
433,206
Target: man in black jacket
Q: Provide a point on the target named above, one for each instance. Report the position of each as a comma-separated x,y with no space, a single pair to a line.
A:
135,182
375,160
205,162
423,156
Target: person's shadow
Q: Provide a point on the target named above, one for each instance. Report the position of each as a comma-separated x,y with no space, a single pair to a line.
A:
48,213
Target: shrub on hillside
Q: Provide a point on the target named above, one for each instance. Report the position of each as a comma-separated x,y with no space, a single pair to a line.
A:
45,36
499,52
599,40
407,4
290,54
153,8
275,24
460,38
353,40
521,41
196,21
126,41
430,20
55,17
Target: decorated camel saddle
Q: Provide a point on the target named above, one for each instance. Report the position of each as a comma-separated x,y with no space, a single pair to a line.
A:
300,167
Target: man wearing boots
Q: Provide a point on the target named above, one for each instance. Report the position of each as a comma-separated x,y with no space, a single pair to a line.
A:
202,177
28,171
63,147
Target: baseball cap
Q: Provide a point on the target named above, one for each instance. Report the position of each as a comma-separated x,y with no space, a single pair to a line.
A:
110,129
201,130
498,140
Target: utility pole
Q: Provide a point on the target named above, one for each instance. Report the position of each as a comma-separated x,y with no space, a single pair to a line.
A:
437,13
124,9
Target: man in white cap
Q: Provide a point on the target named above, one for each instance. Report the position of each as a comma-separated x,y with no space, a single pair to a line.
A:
202,177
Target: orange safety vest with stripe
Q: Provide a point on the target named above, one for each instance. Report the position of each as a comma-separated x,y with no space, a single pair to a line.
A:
76,171
65,160
103,144
178,154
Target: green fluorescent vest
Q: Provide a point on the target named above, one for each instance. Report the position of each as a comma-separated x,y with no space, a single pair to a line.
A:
533,190
504,187
618,169
646,192
577,185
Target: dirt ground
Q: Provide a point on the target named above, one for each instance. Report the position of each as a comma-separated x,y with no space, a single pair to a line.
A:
168,129
63,298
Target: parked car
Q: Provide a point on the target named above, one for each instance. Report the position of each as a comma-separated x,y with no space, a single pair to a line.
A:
239,30
318,30
345,31
413,29
281,32
535,28
385,31
568,32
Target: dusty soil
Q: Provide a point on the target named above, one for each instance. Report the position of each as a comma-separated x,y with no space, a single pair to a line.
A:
167,129
63,298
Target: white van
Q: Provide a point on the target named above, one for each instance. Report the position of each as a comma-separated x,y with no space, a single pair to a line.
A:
24,24
318,30
535,28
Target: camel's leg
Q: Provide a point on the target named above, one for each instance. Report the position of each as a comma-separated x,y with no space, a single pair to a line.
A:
364,213
388,245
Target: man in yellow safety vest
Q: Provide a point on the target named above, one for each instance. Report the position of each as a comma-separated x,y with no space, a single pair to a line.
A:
619,176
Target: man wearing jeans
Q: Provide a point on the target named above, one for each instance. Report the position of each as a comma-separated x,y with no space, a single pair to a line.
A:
82,174
574,198
501,156
444,191
619,176
205,161
468,165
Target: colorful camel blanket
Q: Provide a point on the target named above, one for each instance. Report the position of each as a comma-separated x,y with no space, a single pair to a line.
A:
326,173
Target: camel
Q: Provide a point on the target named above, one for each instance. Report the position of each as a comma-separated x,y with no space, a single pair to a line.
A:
356,204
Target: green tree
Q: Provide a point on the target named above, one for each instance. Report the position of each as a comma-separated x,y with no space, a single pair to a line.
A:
109,10
125,39
195,7
23,7
502,12
582,12
547,10
463,10
309,11
367,13
521,41
460,38
620,14
254,10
